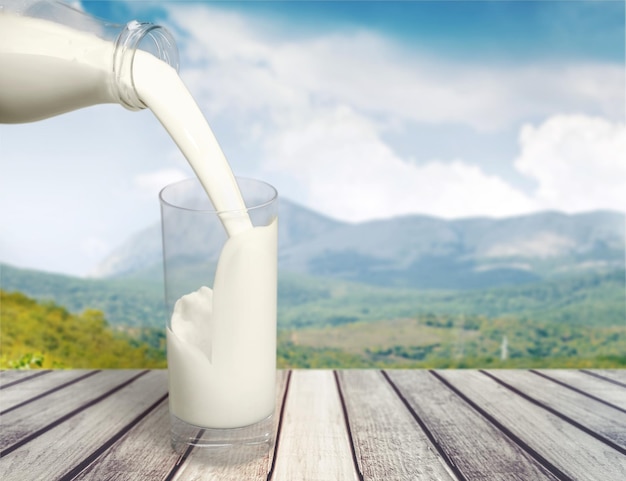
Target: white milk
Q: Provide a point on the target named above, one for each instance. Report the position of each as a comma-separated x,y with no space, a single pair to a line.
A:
222,346
161,89
221,351
45,72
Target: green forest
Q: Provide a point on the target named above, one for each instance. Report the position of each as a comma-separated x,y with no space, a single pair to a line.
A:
430,341
577,323
46,335
579,320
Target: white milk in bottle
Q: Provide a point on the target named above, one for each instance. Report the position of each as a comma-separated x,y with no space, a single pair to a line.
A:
46,69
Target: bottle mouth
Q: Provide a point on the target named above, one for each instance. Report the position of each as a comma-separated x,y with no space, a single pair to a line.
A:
150,38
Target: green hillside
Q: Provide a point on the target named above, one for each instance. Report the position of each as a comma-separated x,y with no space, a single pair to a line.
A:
46,335
597,299
125,302
589,299
578,320
431,341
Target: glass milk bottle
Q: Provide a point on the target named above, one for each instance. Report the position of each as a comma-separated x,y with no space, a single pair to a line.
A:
56,59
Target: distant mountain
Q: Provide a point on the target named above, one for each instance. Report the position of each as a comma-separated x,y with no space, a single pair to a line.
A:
420,251
427,252
143,251
126,302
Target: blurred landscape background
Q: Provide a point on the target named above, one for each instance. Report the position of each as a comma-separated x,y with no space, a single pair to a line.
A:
451,174
544,290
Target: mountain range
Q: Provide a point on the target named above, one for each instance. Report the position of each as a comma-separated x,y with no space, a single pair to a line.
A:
548,267
419,251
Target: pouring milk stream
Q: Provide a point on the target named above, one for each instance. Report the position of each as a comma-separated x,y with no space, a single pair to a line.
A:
54,59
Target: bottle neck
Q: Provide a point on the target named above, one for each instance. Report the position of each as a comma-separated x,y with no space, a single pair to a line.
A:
127,40
147,37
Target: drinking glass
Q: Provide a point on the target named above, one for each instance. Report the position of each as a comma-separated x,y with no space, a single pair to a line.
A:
220,293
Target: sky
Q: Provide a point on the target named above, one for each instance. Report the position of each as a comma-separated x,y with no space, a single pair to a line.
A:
359,110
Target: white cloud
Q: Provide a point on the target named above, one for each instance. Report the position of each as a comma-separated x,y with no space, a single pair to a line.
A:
343,167
578,161
151,183
378,77
239,64
95,248
317,108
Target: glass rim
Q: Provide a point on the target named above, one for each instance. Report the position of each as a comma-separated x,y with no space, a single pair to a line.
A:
212,210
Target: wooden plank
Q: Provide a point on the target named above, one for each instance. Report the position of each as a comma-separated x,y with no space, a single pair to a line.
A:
474,447
243,462
22,393
144,453
564,447
10,378
389,444
604,421
618,375
313,443
609,392
12,374
70,445
20,423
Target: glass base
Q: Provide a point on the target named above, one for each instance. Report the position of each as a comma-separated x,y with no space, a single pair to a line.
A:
183,435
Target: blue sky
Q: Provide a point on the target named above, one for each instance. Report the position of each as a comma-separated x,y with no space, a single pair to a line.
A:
465,29
358,110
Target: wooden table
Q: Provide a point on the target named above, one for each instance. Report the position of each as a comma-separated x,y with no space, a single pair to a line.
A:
330,426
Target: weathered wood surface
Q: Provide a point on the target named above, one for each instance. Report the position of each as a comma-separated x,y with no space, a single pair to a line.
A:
387,439
550,439
451,425
314,444
469,442
591,386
